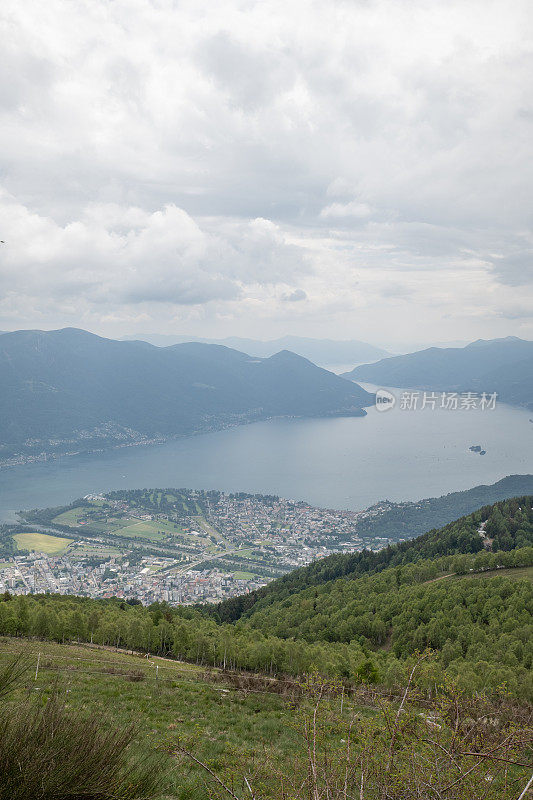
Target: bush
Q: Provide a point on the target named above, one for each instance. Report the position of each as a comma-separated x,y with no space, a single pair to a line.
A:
49,752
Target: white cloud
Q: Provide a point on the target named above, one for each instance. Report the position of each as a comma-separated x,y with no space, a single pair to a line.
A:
114,256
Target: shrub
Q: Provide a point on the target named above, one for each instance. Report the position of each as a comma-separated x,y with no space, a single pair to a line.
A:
49,752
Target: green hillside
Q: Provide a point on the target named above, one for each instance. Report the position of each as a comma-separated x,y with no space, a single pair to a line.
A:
108,725
479,625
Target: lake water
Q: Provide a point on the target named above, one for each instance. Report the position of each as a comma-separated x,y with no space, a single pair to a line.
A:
336,463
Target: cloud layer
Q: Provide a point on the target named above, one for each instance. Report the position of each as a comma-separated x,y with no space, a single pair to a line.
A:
343,169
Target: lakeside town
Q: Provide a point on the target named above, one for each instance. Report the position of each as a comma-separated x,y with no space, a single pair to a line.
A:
177,546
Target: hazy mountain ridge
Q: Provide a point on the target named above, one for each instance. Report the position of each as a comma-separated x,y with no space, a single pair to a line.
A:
504,366
59,386
320,351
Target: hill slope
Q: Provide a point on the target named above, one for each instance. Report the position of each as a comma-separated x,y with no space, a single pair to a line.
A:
70,384
410,519
504,366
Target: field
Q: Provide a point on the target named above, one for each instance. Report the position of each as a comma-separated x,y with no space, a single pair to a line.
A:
42,542
77,518
154,530
90,549
183,704
250,736
126,527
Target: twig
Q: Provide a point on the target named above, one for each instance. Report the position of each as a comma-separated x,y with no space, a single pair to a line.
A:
526,787
210,771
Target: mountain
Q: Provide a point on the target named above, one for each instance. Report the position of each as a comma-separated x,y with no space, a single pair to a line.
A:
320,351
395,520
504,366
71,385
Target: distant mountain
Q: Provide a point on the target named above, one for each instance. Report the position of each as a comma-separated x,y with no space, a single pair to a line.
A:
69,385
320,351
504,366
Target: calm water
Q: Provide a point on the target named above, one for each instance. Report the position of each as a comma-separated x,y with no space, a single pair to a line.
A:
340,463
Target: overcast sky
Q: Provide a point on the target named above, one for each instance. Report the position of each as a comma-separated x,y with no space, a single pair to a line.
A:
357,169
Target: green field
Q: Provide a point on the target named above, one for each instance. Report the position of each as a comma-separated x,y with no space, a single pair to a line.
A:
141,530
72,516
128,527
78,518
88,549
42,542
220,724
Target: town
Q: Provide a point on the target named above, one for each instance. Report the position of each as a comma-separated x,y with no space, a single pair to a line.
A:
177,546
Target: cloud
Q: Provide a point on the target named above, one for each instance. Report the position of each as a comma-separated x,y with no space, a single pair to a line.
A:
117,255
351,209
185,164
515,268
294,297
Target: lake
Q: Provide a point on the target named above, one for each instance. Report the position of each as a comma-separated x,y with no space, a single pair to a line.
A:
337,463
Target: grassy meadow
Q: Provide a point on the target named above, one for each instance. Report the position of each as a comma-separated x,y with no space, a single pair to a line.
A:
42,542
173,704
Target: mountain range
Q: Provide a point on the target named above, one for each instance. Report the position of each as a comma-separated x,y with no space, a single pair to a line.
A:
69,385
504,366
321,351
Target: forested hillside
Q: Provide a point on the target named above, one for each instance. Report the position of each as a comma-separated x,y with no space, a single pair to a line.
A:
411,519
509,522
60,387
362,630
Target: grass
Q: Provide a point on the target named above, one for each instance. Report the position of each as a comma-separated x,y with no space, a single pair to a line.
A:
42,542
142,530
82,550
77,518
72,516
217,722
154,530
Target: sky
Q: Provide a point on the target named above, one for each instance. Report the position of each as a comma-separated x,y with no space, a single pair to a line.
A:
358,169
